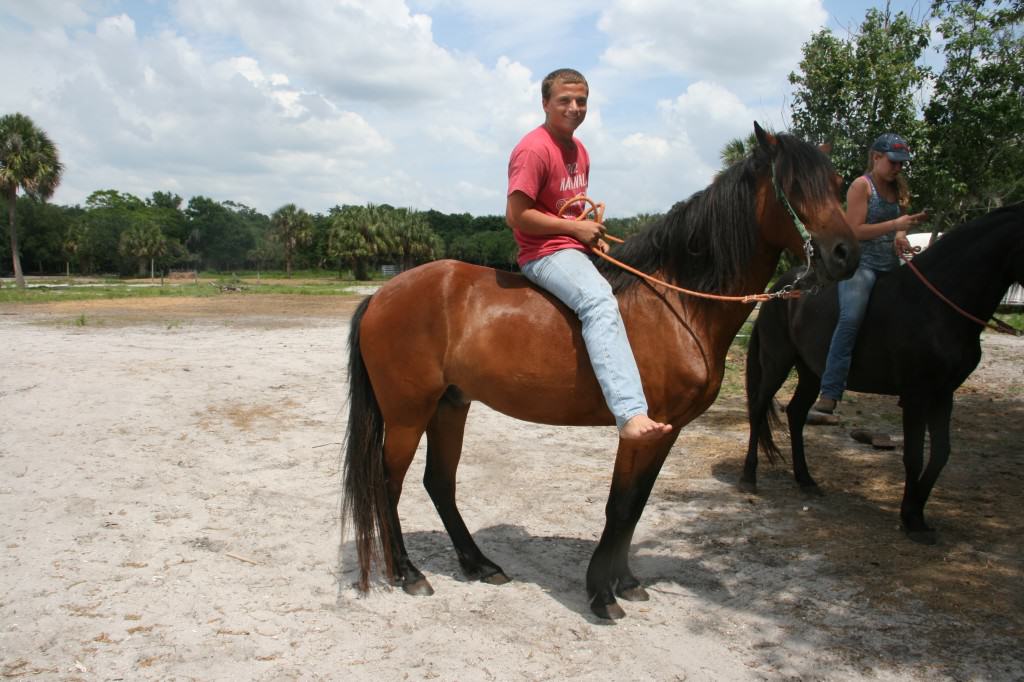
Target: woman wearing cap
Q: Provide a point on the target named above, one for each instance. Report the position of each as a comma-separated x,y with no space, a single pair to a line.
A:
875,205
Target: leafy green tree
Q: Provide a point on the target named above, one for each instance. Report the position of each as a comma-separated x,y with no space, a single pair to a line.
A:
164,208
847,92
293,227
974,155
107,214
222,233
28,162
42,226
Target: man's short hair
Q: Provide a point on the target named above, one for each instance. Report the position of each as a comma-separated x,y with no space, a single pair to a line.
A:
560,76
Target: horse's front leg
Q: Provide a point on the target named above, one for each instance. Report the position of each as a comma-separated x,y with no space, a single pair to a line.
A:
636,468
915,411
807,388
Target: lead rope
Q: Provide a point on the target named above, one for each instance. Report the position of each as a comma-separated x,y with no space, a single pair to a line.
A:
997,324
597,209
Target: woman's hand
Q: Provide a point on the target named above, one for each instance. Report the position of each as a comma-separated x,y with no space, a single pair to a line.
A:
901,244
909,220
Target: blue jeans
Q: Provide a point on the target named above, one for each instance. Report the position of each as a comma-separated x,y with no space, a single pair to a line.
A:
854,294
571,277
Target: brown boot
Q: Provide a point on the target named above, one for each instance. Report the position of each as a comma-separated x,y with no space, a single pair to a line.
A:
825,405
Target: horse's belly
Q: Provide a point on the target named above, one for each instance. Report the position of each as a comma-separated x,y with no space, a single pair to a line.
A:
539,392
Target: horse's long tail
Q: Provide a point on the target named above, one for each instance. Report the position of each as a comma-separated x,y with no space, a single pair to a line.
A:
768,417
366,500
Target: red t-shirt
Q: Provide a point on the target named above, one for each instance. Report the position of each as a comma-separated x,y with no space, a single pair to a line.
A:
550,175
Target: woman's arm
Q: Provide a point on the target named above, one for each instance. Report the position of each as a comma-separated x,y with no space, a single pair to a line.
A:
857,198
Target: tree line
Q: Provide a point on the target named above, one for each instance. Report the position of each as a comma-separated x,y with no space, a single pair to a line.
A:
964,122
119,233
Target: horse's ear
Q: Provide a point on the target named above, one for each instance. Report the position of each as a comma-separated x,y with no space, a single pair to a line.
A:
826,148
764,138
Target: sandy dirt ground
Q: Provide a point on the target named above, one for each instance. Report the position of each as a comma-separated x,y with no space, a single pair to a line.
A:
169,487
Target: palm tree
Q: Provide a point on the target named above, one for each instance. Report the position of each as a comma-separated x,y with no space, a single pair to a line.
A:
358,235
143,241
74,242
28,161
414,240
293,227
737,149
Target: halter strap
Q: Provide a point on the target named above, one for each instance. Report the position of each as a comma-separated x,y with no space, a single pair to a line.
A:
800,227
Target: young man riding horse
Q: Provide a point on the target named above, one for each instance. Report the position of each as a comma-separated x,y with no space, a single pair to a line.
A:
547,169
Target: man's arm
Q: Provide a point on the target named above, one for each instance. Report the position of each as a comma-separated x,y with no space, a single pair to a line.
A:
521,214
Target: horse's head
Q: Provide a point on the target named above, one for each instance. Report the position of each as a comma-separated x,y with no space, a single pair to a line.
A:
802,206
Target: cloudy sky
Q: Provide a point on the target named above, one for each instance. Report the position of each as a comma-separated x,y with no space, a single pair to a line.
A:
415,103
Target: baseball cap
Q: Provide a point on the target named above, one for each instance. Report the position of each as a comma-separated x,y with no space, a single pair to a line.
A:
893,146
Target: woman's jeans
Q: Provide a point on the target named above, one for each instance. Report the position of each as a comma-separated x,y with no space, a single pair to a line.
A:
854,294
570,275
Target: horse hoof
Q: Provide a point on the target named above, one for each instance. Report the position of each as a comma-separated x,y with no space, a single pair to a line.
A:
637,593
607,611
418,588
923,537
498,578
749,487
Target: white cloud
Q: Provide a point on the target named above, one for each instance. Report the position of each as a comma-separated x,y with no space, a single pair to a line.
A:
346,50
710,115
749,41
412,103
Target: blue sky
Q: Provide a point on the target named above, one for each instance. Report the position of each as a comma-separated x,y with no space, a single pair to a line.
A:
415,103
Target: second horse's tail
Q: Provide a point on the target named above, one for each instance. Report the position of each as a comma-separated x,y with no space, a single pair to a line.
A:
366,500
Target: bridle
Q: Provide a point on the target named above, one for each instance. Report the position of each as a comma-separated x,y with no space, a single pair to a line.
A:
800,227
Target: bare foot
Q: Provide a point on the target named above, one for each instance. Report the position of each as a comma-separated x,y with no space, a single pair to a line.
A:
642,427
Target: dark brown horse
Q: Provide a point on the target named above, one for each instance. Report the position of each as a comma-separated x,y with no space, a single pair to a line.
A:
445,334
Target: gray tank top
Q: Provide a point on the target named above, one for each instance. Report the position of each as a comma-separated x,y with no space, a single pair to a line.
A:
878,253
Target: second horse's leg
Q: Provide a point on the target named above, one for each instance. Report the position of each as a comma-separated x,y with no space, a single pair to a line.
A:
444,449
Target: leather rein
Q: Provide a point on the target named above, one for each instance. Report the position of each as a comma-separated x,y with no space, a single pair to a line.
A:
996,324
590,207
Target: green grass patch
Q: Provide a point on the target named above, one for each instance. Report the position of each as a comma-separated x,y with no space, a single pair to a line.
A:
222,285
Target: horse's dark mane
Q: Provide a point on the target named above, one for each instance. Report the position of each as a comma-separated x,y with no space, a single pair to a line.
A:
706,242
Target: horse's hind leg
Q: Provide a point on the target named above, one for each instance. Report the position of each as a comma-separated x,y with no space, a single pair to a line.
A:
917,413
765,376
444,449
399,448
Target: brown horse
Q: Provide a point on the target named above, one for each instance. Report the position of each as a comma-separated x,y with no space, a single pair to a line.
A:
440,336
